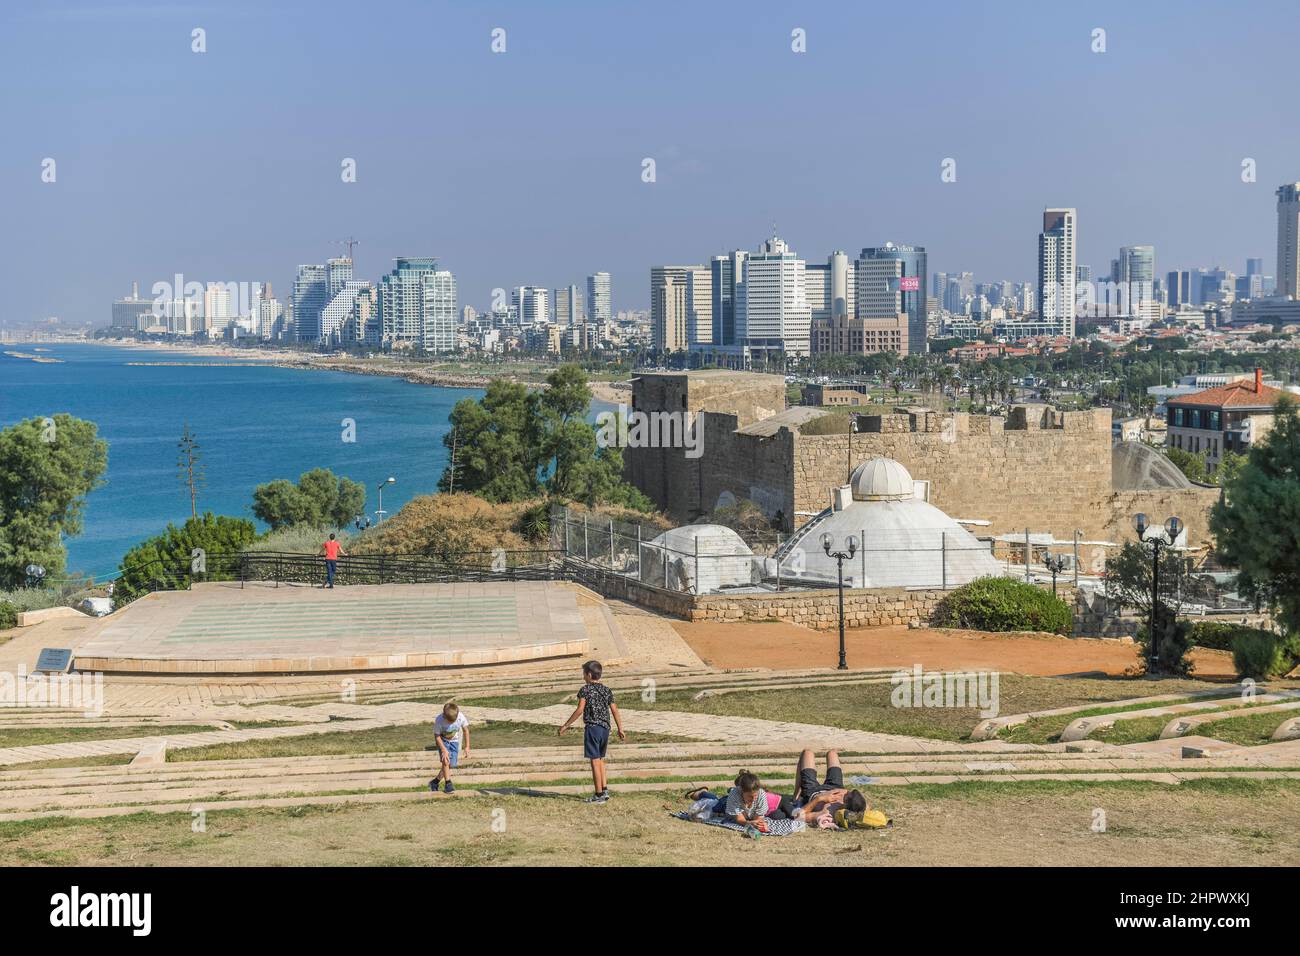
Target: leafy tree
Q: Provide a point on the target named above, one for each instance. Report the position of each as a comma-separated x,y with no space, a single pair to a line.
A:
166,558
1229,469
319,499
514,445
1257,522
47,467
1193,466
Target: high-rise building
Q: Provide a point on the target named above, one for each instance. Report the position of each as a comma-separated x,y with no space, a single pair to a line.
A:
417,306
726,274
531,305
772,313
891,279
599,303
663,326
668,309
830,287
699,306
309,297
1288,235
344,320
338,272
1057,254
133,314
1178,288
568,307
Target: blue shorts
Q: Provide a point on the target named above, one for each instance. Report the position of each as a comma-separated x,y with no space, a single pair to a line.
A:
595,740
453,752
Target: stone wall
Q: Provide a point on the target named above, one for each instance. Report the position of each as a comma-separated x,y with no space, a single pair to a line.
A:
863,607
1050,479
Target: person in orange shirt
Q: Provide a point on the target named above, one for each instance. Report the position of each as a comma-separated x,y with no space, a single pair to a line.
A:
331,549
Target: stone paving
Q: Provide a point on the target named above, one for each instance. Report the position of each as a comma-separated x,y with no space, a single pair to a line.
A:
218,628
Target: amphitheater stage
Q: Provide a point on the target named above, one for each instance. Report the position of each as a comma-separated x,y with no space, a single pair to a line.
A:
221,628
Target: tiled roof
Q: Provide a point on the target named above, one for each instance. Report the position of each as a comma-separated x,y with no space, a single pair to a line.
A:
1233,395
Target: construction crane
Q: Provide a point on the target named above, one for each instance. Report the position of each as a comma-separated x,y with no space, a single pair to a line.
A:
349,242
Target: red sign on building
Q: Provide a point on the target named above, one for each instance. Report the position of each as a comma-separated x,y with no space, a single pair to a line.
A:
909,284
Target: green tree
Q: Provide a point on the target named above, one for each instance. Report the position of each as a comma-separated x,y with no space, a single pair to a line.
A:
47,467
1193,466
166,559
1257,522
319,499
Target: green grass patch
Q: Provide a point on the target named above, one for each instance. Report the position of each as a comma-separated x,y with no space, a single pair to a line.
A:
399,739
36,736
869,706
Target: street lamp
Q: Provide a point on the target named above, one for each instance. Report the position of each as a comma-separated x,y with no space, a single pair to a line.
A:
1056,564
1163,536
35,575
379,514
840,557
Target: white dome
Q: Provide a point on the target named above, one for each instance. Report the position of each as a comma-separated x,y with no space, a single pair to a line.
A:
881,479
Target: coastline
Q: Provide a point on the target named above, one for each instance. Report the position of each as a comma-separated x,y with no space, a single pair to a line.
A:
413,372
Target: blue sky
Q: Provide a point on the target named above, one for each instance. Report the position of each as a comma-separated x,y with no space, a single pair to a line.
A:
525,167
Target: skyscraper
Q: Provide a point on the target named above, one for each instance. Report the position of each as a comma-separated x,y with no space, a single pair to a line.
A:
1178,288
726,274
309,297
668,311
699,306
772,313
531,305
417,306
1288,235
599,303
891,279
1057,252
568,307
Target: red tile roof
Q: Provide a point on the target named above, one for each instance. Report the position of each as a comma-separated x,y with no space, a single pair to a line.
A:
1233,395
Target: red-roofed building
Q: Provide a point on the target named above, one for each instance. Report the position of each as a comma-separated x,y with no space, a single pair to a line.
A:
1225,418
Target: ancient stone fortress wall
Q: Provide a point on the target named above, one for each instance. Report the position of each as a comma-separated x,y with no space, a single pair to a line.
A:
1043,470
1039,468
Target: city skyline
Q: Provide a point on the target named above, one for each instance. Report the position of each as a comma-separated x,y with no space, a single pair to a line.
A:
257,193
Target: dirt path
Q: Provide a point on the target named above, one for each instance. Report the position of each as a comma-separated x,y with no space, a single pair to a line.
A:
782,646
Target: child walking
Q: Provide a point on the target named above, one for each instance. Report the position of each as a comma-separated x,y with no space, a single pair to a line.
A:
595,706
448,729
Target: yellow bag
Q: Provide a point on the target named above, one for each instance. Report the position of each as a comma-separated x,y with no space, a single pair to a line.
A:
866,820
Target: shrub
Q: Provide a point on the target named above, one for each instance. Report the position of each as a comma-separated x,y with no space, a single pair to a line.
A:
165,558
1261,654
1003,604
1221,635
8,616
1175,642
298,539
444,526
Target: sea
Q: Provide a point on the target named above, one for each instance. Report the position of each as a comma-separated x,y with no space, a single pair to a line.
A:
253,424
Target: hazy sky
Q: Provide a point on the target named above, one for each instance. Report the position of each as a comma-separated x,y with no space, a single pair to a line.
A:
525,167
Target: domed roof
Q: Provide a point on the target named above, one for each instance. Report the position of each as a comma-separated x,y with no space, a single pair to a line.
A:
881,479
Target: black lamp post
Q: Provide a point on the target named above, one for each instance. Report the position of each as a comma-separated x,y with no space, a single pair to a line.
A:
1163,536
35,575
1056,564
840,557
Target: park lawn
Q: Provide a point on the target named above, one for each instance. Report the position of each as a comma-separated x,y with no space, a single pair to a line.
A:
399,739
100,760
1042,730
1203,822
35,736
869,707
1246,729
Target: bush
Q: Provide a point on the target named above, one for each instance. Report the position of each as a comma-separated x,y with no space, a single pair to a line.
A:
1003,604
1261,654
1221,635
165,559
8,616
299,539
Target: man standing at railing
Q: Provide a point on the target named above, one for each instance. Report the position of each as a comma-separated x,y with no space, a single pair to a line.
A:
331,549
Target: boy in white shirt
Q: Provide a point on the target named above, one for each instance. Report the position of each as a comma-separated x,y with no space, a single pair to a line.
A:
449,727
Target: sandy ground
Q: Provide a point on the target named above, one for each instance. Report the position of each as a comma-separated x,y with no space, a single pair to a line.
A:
787,647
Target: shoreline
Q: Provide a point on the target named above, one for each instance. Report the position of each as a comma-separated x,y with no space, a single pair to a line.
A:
415,373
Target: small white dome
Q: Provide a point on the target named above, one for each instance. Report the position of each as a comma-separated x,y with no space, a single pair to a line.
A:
881,479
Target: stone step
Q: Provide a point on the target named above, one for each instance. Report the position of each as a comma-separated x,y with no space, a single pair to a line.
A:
1085,726
1182,726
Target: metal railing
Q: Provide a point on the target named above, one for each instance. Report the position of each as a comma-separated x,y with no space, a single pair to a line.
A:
278,567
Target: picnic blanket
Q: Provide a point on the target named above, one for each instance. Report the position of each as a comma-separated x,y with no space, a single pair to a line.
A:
774,827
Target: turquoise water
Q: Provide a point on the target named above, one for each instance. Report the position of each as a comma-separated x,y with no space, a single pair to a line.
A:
253,425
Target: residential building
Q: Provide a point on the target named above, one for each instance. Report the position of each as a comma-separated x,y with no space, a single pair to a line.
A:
1057,255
